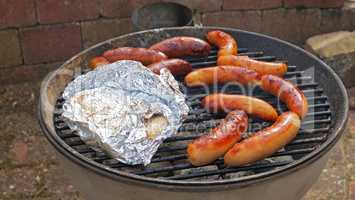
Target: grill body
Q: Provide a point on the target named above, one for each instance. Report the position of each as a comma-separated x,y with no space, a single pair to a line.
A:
289,182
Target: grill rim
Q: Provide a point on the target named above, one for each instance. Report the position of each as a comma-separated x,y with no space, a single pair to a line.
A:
103,170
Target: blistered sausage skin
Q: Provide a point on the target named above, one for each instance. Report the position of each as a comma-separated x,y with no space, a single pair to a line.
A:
227,102
143,55
211,146
220,74
177,47
287,92
277,69
225,42
265,142
175,66
97,61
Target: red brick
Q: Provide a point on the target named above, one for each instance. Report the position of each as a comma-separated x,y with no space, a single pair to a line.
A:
122,8
94,32
10,51
336,19
50,43
26,73
251,4
200,5
15,13
54,11
314,3
246,20
311,23
284,24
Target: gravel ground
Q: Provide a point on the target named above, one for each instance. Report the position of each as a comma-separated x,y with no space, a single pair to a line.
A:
29,170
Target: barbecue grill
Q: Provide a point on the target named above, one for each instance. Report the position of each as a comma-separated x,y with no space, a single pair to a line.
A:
287,174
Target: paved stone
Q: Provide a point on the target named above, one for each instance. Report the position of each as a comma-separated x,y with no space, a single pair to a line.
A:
331,184
352,190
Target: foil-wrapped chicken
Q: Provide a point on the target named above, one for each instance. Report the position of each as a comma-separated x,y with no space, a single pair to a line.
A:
125,109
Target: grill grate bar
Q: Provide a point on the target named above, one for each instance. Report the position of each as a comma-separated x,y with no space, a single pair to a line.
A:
171,159
228,170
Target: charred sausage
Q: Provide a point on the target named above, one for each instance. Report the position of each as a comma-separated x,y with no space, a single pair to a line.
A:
220,74
225,42
251,105
209,147
97,61
143,55
175,66
177,47
265,142
277,69
287,92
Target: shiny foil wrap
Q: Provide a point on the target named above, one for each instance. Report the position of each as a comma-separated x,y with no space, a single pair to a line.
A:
125,109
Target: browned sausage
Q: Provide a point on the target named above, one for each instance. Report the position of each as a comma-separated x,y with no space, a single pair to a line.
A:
209,147
220,74
97,61
277,69
251,105
175,66
177,47
265,142
225,42
143,55
287,92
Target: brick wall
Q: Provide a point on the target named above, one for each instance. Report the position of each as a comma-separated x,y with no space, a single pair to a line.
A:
37,35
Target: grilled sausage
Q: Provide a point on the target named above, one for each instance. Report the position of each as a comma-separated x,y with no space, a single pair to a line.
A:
209,147
177,47
277,69
176,66
97,61
265,142
143,55
220,74
287,92
225,42
251,105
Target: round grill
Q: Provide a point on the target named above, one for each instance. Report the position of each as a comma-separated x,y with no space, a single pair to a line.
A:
170,161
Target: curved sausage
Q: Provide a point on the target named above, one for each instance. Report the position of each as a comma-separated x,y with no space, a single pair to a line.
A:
265,142
143,55
175,66
251,105
209,147
225,42
220,74
97,61
277,69
287,92
177,47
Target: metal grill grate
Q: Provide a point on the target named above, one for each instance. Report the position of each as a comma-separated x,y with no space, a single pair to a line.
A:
170,161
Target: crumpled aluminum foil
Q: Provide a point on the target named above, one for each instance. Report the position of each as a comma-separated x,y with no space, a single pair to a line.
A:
113,107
